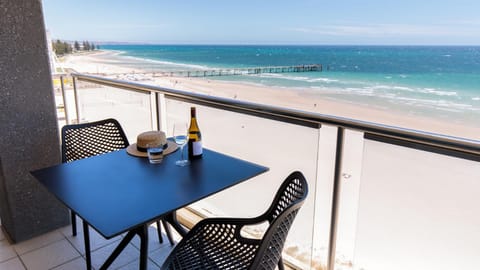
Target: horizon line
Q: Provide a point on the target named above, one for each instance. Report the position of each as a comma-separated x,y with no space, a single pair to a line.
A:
280,44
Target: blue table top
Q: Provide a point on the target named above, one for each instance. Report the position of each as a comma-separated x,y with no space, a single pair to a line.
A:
116,192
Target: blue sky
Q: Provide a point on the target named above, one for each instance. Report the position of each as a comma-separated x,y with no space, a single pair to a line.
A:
377,22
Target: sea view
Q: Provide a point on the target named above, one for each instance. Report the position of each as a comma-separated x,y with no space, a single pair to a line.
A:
438,82
433,89
375,104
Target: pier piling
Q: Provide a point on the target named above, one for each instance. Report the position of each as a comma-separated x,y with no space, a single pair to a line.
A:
244,71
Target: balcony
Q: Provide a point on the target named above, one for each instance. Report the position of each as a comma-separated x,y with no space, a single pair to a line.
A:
381,197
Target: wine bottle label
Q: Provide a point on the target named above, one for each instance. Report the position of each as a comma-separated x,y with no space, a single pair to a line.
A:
197,148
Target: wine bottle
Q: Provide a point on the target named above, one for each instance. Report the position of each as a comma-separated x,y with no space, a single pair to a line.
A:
194,137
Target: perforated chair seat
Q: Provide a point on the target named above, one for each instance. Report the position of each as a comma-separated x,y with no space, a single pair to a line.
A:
216,243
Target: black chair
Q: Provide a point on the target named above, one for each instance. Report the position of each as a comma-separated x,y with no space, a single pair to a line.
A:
216,243
91,139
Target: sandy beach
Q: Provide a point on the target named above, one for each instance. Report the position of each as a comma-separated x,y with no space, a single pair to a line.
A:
104,63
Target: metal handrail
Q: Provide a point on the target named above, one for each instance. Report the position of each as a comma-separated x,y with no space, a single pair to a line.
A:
464,145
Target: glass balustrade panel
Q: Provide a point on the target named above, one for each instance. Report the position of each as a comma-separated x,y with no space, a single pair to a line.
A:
416,210
131,109
284,148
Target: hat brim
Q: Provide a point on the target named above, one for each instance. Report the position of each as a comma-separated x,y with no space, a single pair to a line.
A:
132,149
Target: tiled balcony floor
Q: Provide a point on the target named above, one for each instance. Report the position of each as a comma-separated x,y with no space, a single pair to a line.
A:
59,250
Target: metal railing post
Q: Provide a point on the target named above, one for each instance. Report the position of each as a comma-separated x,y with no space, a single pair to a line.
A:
77,109
162,112
154,111
158,111
64,97
336,198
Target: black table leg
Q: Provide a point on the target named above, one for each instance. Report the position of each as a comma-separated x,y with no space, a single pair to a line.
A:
142,232
74,223
172,219
119,249
169,233
159,231
86,239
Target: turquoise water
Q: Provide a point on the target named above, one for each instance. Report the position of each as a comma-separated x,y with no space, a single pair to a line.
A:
435,81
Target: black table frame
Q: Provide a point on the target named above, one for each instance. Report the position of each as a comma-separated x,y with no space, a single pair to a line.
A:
109,181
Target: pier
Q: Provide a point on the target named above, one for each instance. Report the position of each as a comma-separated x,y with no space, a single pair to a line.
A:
241,71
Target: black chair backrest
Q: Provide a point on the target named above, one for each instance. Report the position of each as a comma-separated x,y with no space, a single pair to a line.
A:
91,139
282,212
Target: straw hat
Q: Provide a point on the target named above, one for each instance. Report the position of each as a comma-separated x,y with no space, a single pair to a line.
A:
139,148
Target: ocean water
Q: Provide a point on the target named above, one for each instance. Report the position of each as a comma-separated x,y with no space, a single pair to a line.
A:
434,81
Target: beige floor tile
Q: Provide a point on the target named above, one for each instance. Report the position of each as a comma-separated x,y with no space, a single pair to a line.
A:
96,241
13,264
67,230
128,255
135,264
6,251
159,255
76,264
37,242
50,256
59,250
